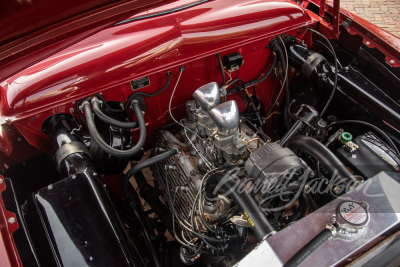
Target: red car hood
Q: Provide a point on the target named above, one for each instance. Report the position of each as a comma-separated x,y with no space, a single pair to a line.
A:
34,29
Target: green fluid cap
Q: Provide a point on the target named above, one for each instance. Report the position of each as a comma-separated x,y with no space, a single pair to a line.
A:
346,137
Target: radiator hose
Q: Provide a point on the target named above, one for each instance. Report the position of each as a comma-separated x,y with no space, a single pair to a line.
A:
322,154
103,145
311,247
99,113
244,201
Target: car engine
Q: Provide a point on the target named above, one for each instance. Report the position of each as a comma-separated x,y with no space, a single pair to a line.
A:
212,138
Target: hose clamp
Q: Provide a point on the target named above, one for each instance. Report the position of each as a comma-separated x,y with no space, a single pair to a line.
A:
269,234
331,227
135,101
82,105
70,148
95,99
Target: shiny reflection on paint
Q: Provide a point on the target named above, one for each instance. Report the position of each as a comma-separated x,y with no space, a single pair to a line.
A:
27,81
64,242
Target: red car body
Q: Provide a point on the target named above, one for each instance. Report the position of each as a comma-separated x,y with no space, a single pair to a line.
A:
53,53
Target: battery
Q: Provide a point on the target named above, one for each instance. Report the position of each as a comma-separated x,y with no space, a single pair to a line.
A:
372,156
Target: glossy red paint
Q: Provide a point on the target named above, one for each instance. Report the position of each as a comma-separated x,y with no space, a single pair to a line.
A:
23,17
8,252
46,38
107,61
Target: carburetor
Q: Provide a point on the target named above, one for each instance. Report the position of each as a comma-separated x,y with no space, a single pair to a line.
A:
218,123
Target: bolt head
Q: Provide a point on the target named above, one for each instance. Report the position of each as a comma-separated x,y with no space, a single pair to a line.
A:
11,220
391,61
1,181
73,176
367,43
49,187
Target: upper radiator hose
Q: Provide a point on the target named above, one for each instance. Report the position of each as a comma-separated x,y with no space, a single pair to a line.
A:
321,153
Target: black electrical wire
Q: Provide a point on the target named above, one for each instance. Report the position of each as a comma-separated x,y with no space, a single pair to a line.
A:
222,68
263,78
269,99
235,81
336,71
327,48
254,82
199,200
276,47
251,102
382,133
243,200
103,145
131,97
99,113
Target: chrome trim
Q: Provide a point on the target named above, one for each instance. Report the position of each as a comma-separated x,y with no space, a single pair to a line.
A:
226,117
207,96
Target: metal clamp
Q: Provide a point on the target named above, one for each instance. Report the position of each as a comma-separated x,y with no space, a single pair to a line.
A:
70,148
82,105
95,99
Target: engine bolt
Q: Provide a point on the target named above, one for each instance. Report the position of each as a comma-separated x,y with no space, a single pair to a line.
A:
11,220
367,43
1,181
73,176
49,187
391,61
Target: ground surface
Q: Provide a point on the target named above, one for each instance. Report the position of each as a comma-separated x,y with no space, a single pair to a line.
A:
384,13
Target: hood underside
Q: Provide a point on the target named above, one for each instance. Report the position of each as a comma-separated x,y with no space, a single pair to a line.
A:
36,29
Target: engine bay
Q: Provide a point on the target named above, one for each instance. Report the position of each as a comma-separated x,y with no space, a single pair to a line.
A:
204,149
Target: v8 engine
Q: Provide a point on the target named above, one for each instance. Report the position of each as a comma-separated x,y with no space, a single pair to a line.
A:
207,133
